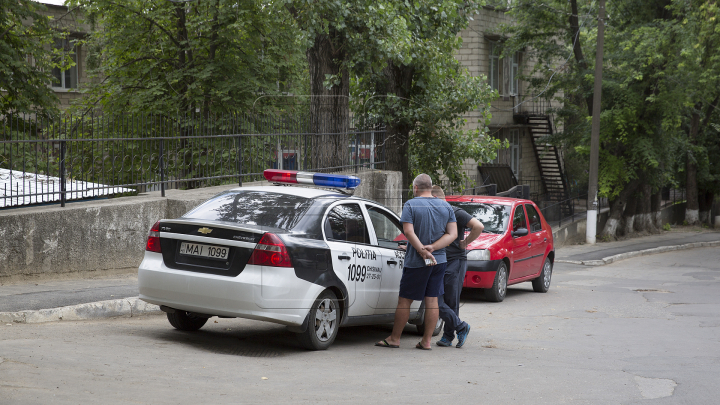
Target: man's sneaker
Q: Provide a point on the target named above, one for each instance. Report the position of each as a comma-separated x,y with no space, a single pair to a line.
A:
462,336
444,342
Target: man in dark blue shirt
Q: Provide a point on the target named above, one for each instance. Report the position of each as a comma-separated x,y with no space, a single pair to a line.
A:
429,226
456,254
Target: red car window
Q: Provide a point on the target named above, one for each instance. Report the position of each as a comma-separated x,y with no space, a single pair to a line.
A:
534,219
519,220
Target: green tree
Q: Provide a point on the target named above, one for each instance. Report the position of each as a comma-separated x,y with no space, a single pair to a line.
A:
697,73
167,57
26,64
341,39
640,124
421,92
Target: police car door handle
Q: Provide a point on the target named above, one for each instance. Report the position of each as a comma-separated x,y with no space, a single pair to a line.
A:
529,244
545,240
344,257
391,262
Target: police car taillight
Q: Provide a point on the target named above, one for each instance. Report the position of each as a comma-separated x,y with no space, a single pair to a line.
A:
153,241
270,251
315,179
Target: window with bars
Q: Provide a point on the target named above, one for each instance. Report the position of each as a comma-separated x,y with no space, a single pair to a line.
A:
65,78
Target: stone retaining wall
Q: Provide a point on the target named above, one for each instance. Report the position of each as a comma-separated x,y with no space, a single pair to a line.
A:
109,235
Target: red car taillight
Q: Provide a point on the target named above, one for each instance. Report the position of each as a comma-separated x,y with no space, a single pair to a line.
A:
270,251
153,241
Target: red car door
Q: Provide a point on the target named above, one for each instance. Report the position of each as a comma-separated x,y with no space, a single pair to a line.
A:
520,245
538,240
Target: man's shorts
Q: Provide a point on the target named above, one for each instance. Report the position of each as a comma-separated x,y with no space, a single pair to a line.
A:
420,282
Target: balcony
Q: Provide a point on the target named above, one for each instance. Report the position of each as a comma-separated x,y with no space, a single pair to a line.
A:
529,105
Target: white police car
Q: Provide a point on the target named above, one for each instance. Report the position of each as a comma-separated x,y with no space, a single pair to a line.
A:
308,258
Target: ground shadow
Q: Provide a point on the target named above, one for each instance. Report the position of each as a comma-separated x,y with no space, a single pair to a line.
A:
238,337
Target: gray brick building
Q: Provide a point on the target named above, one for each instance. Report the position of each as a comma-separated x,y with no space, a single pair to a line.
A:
523,124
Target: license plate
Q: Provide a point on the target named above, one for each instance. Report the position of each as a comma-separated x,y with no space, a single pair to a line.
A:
196,249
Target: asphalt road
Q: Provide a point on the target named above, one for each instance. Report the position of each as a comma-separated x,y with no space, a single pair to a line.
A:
639,331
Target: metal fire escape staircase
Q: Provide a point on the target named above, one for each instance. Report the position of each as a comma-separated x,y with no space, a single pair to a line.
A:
549,163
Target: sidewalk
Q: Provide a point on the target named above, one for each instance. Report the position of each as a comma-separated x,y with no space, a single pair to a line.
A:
607,252
53,300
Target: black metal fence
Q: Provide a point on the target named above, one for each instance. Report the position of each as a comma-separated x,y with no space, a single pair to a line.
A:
68,158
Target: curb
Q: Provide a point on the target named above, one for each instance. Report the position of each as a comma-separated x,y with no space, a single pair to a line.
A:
126,307
628,255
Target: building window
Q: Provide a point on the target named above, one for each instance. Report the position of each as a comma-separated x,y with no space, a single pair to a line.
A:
514,72
65,78
494,66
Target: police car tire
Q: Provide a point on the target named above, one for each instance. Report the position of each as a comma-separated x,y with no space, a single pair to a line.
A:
181,320
438,327
309,339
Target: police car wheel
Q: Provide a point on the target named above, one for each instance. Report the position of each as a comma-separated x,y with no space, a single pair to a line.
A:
438,327
183,321
323,322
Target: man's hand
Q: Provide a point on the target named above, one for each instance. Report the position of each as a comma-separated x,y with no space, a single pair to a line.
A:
463,244
428,256
429,248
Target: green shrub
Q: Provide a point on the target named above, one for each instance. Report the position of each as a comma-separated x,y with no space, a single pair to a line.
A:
666,226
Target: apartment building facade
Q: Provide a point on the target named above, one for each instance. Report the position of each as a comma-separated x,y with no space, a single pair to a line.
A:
516,116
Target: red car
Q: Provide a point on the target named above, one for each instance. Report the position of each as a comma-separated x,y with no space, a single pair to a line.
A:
507,252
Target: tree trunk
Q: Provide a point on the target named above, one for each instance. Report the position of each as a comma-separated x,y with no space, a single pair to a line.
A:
329,107
692,207
705,206
656,209
642,216
616,210
630,214
185,108
398,82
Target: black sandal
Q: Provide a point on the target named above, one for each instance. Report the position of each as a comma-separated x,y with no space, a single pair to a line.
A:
385,343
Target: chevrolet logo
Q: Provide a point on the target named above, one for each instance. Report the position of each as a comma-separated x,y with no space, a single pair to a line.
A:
204,230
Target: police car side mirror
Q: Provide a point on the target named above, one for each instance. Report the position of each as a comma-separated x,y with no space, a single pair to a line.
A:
402,243
520,232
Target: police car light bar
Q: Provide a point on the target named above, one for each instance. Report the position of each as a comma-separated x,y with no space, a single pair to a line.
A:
316,179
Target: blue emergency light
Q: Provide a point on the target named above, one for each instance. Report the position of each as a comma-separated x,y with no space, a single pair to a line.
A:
316,179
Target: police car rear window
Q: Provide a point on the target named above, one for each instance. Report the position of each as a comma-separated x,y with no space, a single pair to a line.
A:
258,208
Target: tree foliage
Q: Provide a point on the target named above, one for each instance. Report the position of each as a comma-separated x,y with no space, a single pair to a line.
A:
394,59
422,92
27,58
660,86
167,57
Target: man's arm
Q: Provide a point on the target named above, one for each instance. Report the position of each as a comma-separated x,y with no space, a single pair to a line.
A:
445,240
476,228
409,231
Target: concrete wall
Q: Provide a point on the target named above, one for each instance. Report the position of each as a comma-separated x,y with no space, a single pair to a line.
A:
574,232
108,236
674,214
